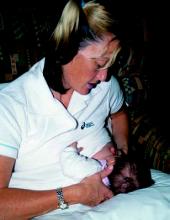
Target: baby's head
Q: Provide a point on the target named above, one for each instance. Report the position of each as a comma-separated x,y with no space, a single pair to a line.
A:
130,173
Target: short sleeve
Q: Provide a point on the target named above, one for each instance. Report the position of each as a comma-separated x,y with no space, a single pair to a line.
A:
116,96
10,131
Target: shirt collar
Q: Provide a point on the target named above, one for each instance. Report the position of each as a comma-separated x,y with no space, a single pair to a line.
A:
43,103
78,102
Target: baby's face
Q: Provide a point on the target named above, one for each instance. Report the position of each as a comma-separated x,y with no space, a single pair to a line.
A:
130,173
126,180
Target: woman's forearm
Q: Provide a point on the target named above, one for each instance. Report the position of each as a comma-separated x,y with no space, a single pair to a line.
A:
120,130
22,204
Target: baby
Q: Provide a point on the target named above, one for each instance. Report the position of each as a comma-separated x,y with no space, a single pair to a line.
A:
129,173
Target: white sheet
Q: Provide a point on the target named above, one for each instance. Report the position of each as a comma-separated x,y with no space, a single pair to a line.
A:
152,203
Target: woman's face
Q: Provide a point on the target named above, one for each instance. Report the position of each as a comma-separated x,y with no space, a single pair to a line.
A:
84,71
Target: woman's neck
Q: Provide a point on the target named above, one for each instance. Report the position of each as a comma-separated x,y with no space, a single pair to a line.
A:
63,98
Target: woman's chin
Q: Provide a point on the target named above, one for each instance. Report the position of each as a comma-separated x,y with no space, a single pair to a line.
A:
84,91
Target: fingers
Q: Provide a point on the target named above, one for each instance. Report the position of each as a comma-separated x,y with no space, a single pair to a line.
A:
125,150
93,185
104,173
107,194
74,145
122,149
111,162
80,149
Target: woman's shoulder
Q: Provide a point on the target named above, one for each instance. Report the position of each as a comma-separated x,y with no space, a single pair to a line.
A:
18,88
111,83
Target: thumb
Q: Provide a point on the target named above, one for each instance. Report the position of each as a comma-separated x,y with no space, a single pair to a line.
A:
107,171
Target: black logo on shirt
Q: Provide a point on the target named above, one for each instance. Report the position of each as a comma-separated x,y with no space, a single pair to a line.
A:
87,125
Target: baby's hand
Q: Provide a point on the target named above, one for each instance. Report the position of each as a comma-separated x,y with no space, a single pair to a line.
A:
74,145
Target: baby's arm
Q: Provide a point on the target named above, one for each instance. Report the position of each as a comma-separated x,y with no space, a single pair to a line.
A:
78,166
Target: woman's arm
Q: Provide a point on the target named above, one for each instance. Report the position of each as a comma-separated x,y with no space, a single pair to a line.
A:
120,130
17,204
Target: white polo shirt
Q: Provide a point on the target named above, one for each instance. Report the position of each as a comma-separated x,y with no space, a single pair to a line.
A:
35,127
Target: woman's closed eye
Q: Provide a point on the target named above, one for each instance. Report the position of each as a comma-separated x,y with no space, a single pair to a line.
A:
100,63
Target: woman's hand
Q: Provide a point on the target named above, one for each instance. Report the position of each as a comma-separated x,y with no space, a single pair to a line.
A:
93,191
107,153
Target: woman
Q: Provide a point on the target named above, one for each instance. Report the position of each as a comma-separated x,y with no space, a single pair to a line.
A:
63,98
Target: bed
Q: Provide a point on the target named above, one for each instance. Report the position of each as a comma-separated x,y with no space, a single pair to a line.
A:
151,203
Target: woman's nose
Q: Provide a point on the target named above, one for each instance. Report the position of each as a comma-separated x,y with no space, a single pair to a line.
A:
102,74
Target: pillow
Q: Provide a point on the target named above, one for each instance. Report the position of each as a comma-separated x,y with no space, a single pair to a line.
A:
151,203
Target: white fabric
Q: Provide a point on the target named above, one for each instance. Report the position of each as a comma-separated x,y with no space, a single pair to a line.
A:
77,166
151,203
35,128
3,85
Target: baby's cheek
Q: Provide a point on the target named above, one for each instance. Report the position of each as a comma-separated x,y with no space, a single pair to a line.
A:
117,181
126,171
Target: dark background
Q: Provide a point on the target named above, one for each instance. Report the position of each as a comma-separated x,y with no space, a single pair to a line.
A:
25,30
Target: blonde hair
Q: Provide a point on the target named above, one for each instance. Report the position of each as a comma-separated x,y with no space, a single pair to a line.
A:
98,19
112,58
100,22
68,22
77,27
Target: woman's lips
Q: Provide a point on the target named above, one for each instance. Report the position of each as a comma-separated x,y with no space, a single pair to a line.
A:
91,85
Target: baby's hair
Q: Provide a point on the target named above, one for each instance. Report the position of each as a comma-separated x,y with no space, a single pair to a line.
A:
130,173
